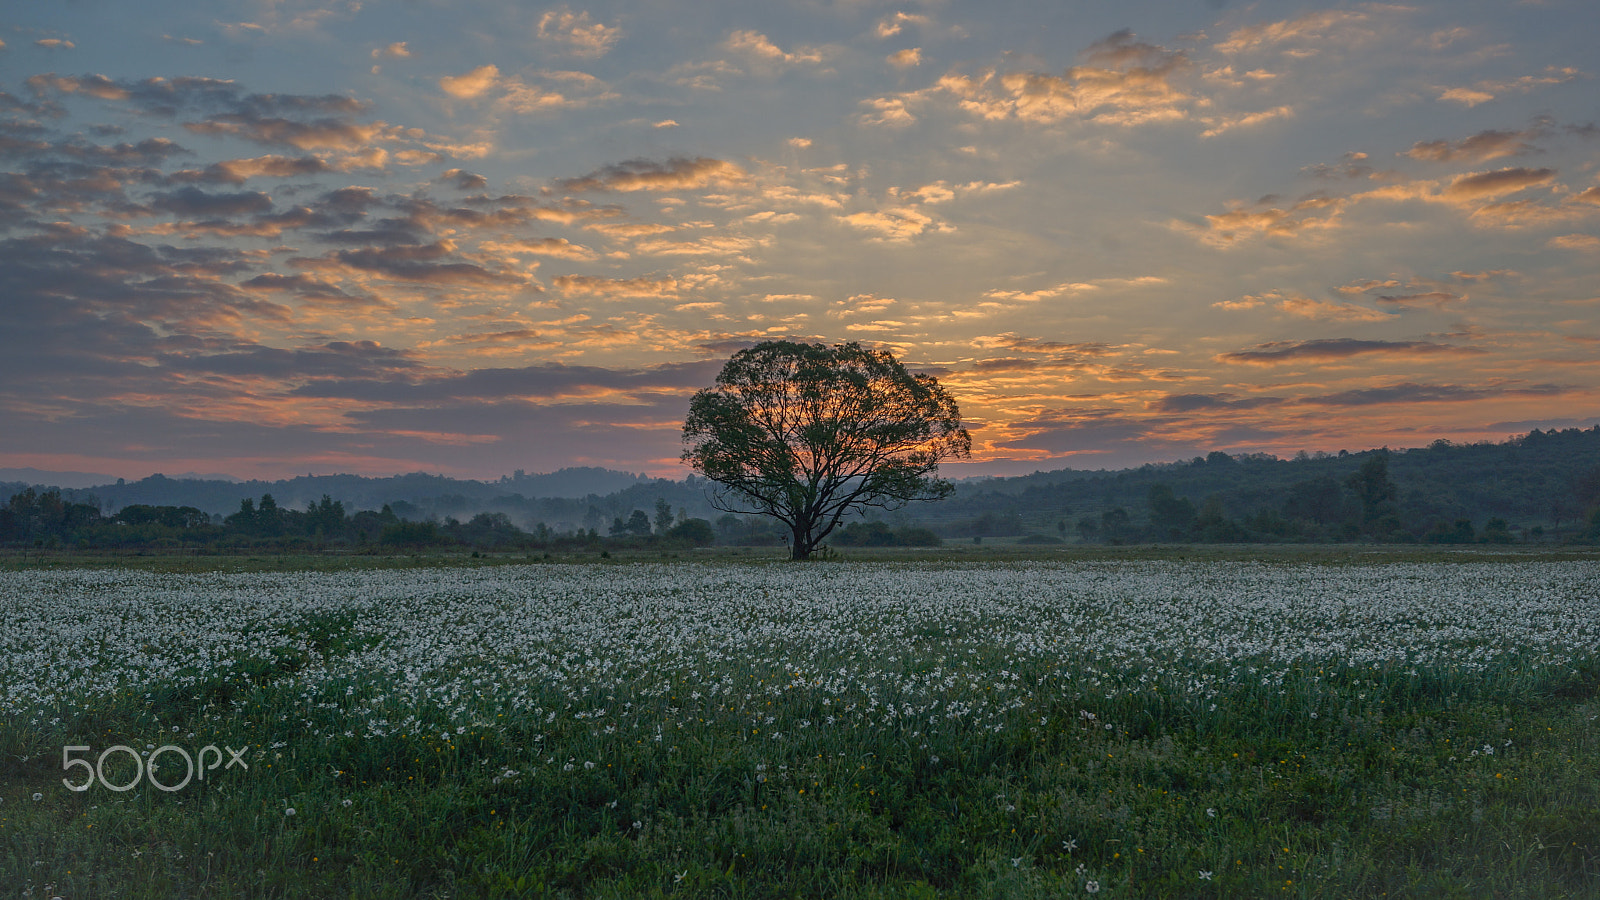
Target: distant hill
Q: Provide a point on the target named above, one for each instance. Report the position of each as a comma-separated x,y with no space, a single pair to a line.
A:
1544,480
51,479
356,491
1529,481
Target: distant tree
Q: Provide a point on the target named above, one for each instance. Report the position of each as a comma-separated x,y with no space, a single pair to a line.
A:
1318,500
807,433
663,516
696,532
1374,489
1497,531
1114,524
1171,516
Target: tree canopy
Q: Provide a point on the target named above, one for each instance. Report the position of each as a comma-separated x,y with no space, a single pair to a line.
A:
806,433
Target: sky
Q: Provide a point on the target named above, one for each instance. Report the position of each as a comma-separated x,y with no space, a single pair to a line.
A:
269,238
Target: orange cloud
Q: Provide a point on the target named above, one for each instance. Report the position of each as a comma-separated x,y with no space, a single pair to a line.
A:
608,288
1493,184
890,26
1329,26
1484,91
1276,353
1481,147
758,46
675,174
238,171
1307,308
473,84
577,33
560,248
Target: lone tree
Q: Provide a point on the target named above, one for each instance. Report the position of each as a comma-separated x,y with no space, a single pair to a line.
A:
805,433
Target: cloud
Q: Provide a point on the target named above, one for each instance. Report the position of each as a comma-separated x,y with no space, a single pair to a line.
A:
896,224
1216,125
757,46
415,264
577,34
463,180
612,288
1182,403
1313,30
560,248
1466,96
889,26
1353,165
1492,184
1331,349
1307,216
54,44
677,173
192,201
1427,298
1123,82
313,289
473,84
397,50
1371,284
907,58
1307,308
1484,91
238,171
319,134
890,111
1481,147
1576,242
1429,393
1096,430
92,85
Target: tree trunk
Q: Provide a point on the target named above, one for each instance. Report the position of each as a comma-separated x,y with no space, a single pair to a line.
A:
800,543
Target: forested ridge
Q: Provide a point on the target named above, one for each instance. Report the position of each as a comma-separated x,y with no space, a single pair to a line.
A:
1540,487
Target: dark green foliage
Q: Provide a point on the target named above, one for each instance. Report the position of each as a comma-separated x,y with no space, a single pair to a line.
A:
1543,486
879,534
412,534
808,434
694,532
1170,516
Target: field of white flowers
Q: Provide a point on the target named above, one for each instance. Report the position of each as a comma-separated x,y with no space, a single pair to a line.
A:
1122,727
911,646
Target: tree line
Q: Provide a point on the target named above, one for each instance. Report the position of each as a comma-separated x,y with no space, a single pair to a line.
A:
1540,487
46,520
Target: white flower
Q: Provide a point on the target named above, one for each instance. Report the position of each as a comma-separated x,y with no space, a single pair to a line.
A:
289,811
347,801
1205,875
38,796
1069,845
1211,812
1091,887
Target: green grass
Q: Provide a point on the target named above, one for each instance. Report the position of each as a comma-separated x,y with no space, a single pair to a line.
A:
1379,795
995,550
1340,782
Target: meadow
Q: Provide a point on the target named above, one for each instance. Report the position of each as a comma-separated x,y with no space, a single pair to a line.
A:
1220,726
